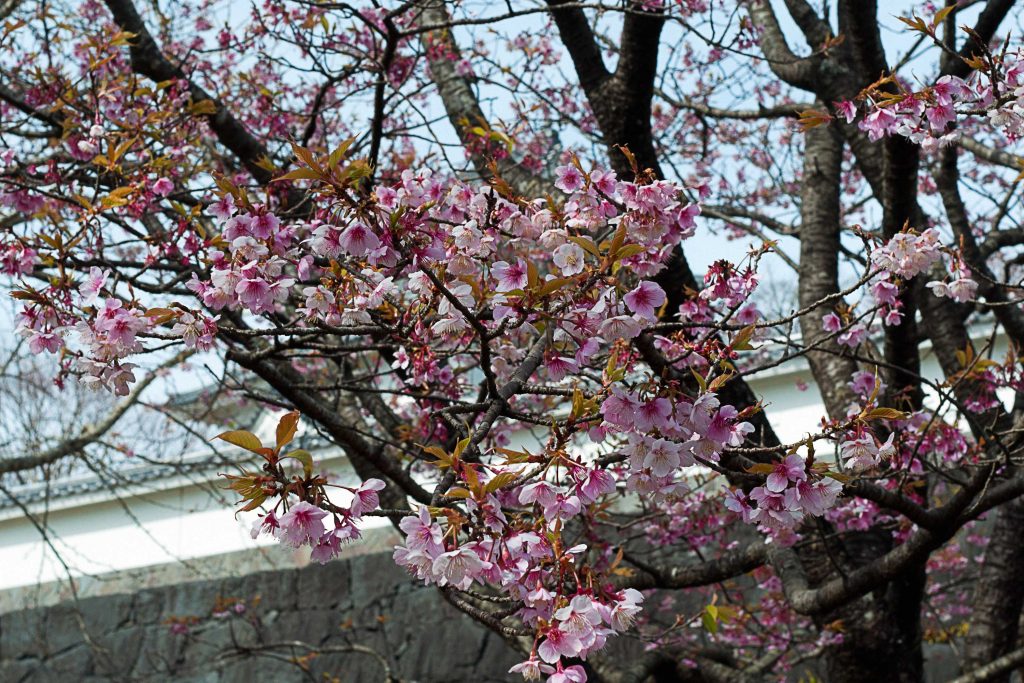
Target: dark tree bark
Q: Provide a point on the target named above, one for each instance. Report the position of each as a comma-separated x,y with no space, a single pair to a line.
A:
819,244
998,593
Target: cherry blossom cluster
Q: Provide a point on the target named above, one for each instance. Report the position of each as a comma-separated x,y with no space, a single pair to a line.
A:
958,284
524,564
788,495
663,436
444,270
926,116
302,523
362,266
16,259
107,333
901,258
905,256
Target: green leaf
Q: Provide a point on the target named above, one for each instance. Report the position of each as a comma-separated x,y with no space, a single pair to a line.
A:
300,174
717,382
553,285
307,157
700,379
941,15
443,459
532,276
741,342
587,244
514,456
339,153
500,480
617,239
161,315
460,447
884,414
812,118
254,503
266,164
203,108
915,24
471,477
629,250
118,197
242,439
305,457
709,623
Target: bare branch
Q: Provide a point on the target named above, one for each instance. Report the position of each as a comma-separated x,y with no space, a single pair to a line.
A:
92,433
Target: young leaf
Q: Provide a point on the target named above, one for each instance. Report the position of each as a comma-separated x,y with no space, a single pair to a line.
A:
709,623
629,250
500,480
254,503
884,414
812,118
443,459
741,342
617,239
202,108
242,439
300,174
587,244
305,457
460,447
286,428
553,285
161,315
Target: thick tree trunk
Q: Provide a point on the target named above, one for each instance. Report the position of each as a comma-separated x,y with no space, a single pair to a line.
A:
998,593
881,631
819,252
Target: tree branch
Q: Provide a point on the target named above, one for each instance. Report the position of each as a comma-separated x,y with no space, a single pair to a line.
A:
93,433
988,23
799,72
148,60
461,103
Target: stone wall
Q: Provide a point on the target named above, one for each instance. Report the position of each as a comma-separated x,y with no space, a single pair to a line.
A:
344,622
342,619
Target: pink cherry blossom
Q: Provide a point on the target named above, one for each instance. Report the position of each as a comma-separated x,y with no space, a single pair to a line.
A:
365,497
90,289
421,533
846,109
645,299
532,669
358,239
509,276
302,524
458,568
568,179
570,258
790,469
559,643
163,187
860,453
571,674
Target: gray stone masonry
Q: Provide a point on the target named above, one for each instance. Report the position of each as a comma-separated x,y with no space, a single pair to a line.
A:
364,601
